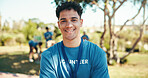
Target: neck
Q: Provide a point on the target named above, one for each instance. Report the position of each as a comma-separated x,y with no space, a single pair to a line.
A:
72,43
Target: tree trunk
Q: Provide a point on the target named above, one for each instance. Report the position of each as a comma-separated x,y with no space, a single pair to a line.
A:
138,39
110,42
116,57
103,34
144,28
141,30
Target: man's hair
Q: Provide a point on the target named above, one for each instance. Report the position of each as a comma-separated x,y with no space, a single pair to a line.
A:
68,6
40,43
46,28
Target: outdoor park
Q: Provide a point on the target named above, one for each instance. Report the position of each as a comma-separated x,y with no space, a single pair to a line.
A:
124,41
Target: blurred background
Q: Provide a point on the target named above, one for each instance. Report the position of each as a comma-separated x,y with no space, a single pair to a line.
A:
119,27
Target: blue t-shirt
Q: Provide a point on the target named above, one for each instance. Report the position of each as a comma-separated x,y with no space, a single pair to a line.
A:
48,35
85,37
32,43
93,62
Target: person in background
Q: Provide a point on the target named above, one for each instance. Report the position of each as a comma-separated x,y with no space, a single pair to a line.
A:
73,57
48,36
32,46
85,36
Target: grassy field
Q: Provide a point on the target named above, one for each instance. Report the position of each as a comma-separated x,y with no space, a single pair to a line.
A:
15,60
136,67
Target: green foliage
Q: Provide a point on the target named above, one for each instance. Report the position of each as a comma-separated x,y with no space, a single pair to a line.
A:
5,28
145,38
5,37
57,32
142,50
106,40
131,36
121,45
58,39
30,30
94,37
42,25
128,35
20,38
17,31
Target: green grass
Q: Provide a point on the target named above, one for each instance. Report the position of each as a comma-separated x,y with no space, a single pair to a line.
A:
17,62
136,67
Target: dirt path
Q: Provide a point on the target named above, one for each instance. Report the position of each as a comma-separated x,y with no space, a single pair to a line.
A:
15,75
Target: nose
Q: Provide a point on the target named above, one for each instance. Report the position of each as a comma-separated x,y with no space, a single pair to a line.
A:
69,24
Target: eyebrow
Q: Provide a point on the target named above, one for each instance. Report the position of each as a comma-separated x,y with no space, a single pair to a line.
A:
65,18
62,19
74,18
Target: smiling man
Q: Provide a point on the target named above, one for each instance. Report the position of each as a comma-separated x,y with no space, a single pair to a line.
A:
73,57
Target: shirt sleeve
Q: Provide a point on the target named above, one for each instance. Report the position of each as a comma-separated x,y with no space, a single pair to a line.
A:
47,67
100,67
87,37
51,33
45,35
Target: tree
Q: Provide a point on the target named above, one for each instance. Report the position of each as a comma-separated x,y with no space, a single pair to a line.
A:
30,29
143,4
110,7
6,26
20,38
0,22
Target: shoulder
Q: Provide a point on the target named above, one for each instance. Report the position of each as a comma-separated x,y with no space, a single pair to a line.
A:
45,33
52,50
83,35
93,47
96,54
89,44
51,32
30,42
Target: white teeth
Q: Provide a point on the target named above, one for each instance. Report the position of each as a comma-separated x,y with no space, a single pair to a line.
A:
69,30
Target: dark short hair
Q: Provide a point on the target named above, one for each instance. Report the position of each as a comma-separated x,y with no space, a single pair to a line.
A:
40,43
68,6
46,28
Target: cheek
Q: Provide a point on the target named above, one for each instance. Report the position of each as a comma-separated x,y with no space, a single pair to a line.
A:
61,29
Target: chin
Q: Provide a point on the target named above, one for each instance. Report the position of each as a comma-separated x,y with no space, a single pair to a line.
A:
70,38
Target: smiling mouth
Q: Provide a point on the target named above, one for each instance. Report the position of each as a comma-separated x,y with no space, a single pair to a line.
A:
70,30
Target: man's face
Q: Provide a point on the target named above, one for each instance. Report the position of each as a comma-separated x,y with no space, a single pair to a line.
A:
69,23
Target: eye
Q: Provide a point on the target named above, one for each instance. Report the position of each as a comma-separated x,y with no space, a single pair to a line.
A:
63,21
73,20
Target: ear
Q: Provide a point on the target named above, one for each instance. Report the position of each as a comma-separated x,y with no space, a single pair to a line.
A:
81,22
58,24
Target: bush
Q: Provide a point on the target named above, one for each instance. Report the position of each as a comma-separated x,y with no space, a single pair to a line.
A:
20,38
94,37
6,39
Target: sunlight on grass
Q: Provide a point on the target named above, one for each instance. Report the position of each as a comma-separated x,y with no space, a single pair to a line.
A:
32,71
16,65
136,67
24,61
